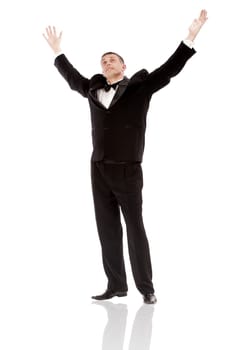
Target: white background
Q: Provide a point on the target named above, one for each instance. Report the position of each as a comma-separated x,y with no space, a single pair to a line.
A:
50,261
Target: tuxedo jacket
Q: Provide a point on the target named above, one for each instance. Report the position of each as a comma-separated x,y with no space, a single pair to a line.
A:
118,132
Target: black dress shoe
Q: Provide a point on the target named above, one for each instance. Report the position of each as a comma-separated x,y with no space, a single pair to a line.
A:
149,298
110,294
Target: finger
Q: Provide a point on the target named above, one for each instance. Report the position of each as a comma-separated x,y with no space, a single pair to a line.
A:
45,37
47,31
54,31
50,30
203,15
60,35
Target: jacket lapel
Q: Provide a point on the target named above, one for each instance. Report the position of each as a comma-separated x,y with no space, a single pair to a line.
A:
97,82
120,90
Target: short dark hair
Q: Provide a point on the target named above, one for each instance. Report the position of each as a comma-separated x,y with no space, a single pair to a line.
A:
114,53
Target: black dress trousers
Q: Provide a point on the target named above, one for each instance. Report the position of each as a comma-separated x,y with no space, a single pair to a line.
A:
119,186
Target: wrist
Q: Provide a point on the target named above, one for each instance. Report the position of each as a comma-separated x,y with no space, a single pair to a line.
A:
191,37
188,43
57,50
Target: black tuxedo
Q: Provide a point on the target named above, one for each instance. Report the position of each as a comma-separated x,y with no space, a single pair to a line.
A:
118,135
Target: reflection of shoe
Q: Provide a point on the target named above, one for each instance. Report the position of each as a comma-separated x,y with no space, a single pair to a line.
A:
149,298
110,294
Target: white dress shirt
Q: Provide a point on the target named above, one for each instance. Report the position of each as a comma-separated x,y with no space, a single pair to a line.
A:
105,97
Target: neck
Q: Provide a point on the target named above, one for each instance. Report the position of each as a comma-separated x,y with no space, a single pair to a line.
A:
112,80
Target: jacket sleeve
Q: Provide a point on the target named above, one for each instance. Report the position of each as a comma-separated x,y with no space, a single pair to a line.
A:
162,75
75,80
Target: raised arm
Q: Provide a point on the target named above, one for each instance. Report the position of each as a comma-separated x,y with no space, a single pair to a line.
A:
75,80
162,75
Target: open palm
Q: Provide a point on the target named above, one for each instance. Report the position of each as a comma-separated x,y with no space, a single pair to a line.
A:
53,39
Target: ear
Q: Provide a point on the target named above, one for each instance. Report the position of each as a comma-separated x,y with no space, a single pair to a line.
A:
123,67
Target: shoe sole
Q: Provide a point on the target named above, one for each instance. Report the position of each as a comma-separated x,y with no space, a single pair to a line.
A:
150,303
117,294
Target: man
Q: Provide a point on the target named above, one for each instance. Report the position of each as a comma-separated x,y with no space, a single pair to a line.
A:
118,107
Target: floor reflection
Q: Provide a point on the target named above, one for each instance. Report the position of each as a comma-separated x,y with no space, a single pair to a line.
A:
114,332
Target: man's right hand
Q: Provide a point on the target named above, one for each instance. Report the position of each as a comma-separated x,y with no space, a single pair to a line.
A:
53,39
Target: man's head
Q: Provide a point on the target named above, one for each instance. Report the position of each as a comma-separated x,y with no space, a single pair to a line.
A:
113,66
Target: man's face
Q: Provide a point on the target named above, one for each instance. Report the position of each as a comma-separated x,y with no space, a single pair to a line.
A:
112,67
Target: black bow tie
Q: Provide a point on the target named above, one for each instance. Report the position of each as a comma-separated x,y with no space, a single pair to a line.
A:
107,87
